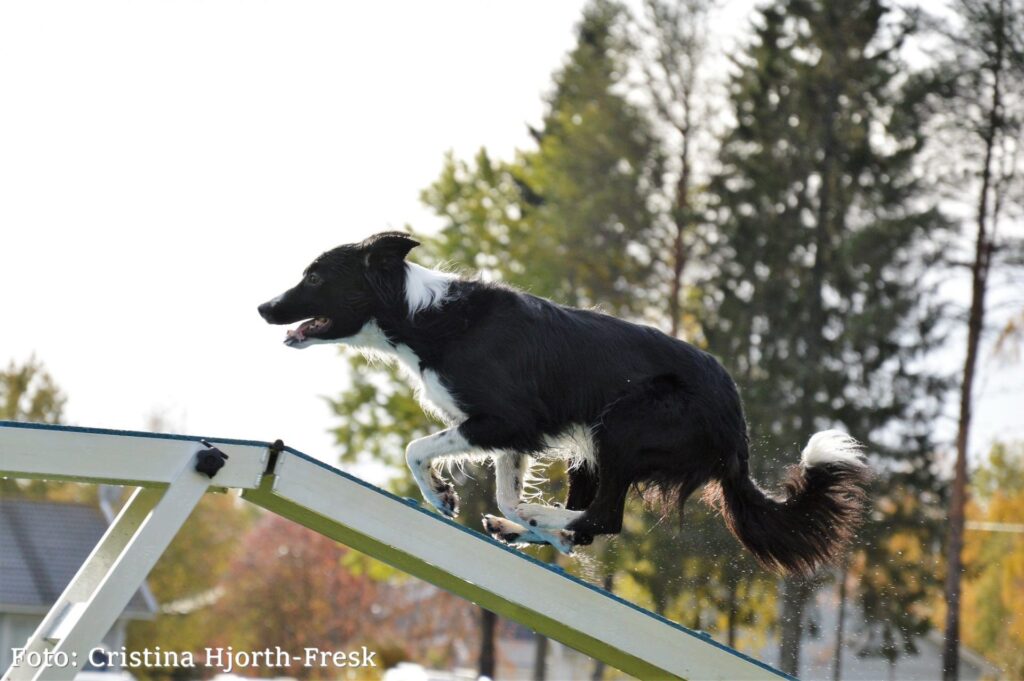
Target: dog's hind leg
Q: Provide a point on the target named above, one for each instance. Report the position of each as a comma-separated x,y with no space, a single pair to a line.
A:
540,516
510,471
604,515
649,434
582,489
510,474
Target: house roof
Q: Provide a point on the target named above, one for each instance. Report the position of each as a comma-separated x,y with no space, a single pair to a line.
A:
42,545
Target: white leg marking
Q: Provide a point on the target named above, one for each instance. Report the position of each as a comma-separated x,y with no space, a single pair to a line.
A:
546,517
510,472
509,477
421,454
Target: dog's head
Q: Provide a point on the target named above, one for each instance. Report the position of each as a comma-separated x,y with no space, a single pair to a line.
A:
342,290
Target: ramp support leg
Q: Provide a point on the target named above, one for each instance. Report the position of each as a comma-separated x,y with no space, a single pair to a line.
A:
110,576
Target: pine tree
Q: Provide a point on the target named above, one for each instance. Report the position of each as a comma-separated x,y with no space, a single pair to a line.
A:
588,188
820,237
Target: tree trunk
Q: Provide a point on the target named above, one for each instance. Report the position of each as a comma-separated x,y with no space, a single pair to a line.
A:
837,658
795,591
975,323
488,628
675,303
958,501
730,632
540,658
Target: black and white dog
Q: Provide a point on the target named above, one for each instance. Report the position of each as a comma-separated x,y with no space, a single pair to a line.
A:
514,376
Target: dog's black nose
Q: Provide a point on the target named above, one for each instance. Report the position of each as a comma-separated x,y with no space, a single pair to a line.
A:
266,311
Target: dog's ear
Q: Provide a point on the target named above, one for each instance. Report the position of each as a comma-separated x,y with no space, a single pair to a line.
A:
385,263
387,248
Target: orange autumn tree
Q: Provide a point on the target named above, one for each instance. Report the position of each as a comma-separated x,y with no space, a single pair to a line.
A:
286,587
993,612
294,588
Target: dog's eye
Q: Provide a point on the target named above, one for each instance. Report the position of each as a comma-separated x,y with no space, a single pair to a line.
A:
313,279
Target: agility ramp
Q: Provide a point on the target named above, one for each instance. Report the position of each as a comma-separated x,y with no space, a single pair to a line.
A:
394,530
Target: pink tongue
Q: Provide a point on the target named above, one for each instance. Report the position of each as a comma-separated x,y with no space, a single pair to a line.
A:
296,334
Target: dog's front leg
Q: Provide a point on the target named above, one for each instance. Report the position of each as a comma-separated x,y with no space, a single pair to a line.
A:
421,454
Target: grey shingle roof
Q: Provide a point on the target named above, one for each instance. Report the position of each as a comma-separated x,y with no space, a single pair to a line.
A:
42,545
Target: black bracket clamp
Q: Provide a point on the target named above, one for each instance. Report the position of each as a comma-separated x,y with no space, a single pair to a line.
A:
210,460
275,450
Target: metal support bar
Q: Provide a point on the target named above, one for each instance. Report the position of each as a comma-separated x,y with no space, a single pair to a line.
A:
105,583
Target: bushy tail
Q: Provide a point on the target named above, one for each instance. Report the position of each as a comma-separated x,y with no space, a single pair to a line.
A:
815,516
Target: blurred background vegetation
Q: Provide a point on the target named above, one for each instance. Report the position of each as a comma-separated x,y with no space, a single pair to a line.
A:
862,155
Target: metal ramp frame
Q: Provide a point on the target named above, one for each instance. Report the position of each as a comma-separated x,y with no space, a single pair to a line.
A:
394,530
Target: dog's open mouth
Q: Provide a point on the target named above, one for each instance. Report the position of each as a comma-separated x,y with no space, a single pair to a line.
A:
307,330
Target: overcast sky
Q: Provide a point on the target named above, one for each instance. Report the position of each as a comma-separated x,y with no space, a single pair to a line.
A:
166,166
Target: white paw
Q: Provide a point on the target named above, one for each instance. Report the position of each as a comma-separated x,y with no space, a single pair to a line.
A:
562,540
445,499
505,530
510,532
544,517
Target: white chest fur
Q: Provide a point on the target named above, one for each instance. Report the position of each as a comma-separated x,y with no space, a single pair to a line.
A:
438,395
431,393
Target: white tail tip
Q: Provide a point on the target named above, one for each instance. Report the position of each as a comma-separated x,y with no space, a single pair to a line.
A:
832,446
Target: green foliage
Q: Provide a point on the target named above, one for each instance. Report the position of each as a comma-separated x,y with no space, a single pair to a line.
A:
1002,473
588,187
571,220
378,416
482,206
29,393
896,569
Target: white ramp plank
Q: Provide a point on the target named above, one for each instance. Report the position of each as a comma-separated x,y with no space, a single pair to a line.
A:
540,596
